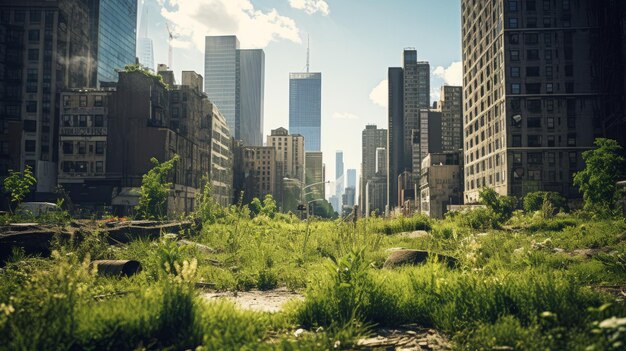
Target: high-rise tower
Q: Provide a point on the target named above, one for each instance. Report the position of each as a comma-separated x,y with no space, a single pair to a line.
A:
234,81
541,80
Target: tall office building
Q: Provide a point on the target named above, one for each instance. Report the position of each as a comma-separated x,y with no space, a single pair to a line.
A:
372,139
290,163
234,81
305,108
339,179
47,50
315,174
541,80
113,27
451,107
146,52
409,91
351,178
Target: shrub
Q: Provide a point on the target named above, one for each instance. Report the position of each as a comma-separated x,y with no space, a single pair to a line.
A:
402,224
502,206
534,201
479,219
155,189
18,184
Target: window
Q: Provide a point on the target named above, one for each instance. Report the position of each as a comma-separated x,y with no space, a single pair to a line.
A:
517,141
83,101
569,70
31,106
68,166
32,75
82,148
30,145
549,88
571,123
66,100
532,54
531,22
514,38
97,102
565,4
30,125
547,39
33,54
99,167
532,71
534,174
549,105
551,142
548,55
550,122
33,35
512,22
515,88
99,147
533,88
531,38
35,16
19,17
530,5
515,72
513,6
515,106
68,148
534,105
514,55
533,122
82,121
534,140
517,158
547,22
98,121
549,72
535,157
81,167
571,139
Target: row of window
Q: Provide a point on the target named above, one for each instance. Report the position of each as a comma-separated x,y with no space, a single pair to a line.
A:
82,167
531,5
98,101
83,147
83,121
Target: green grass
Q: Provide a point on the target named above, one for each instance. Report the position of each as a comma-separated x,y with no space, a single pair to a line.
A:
522,286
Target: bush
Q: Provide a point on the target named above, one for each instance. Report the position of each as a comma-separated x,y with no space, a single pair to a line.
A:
502,206
479,219
155,190
534,201
402,224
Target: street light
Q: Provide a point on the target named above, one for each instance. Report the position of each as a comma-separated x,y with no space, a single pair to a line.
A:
303,187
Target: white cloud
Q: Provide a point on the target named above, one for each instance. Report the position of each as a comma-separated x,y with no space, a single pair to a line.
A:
344,115
453,75
311,6
435,93
380,94
191,21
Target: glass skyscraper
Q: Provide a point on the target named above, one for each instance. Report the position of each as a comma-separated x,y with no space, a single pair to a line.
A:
146,52
251,94
114,24
305,108
234,81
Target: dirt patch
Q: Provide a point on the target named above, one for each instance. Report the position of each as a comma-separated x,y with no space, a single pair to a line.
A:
418,234
263,301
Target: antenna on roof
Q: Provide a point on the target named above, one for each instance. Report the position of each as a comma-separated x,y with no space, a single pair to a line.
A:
307,52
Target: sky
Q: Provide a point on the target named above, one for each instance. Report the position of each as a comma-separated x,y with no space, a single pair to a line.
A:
352,43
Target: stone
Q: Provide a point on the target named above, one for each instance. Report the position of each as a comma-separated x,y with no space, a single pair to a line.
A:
416,257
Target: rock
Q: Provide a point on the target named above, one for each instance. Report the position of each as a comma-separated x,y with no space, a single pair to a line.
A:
415,257
298,332
200,247
170,236
416,234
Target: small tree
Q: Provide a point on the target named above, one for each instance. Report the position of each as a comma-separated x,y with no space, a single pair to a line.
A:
18,185
269,206
503,206
598,181
208,209
155,189
534,201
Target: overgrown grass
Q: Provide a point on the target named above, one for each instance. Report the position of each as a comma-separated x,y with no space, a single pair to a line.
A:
528,285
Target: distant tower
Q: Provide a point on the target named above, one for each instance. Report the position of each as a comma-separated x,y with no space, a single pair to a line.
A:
145,47
305,106
339,178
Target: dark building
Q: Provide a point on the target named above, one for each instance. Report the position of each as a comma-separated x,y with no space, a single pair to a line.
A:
372,140
542,80
48,50
409,91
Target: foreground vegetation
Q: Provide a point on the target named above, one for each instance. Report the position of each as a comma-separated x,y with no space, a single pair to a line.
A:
534,283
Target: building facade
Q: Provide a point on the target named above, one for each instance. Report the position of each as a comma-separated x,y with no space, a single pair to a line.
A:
305,108
146,52
373,142
314,173
48,50
235,82
339,180
290,163
441,183
260,172
451,107
544,80
113,26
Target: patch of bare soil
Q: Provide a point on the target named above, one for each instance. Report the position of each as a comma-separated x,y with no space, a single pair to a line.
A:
263,301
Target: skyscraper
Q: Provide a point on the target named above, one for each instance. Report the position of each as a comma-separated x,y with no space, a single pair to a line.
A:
251,95
305,108
113,27
339,179
146,52
409,91
351,177
451,107
234,81
539,86
315,174
373,146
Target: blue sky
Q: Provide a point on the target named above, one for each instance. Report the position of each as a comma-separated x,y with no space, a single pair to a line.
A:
352,44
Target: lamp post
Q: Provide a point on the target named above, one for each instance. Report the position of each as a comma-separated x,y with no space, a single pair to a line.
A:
303,187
